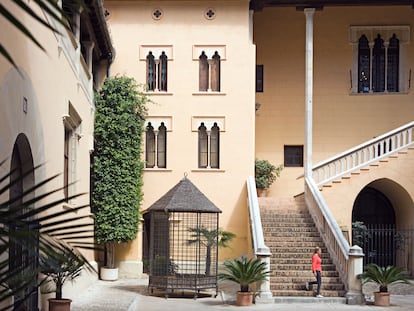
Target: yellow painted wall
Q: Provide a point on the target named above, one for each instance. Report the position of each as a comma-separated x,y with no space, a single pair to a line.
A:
340,120
184,26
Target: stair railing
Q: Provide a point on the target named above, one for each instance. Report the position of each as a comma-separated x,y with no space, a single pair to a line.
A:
363,154
260,250
338,246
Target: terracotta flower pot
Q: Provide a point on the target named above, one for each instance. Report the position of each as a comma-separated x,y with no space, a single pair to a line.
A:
244,298
59,304
382,299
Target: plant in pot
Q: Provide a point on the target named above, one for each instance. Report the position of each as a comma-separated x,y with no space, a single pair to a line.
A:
210,239
63,264
244,272
117,168
383,276
265,174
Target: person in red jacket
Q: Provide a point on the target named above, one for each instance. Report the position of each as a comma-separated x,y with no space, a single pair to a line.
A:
316,270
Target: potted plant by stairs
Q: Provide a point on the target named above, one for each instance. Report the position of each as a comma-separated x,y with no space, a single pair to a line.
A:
117,168
383,276
244,272
65,263
265,174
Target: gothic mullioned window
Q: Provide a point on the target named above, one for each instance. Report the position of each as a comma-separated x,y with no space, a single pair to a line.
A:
379,59
156,146
209,72
157,69
208,146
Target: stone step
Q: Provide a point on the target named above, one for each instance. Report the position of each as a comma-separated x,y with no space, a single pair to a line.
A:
303,279
300,267
303,273
304,293
301,286
307,300
296,261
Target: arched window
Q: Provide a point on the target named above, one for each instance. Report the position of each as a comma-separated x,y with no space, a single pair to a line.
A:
149,146
377,68
162,79
364,59
208,146
203,73
378,65
215,73
156,146
157,69
202,146
162,146
150,72
209,68
393,64
214,146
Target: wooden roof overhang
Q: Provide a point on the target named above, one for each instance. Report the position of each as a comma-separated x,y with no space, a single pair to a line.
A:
258,5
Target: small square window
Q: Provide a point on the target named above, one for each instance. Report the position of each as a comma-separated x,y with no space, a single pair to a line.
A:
293,156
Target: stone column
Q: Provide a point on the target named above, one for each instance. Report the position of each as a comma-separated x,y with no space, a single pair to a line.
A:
355,266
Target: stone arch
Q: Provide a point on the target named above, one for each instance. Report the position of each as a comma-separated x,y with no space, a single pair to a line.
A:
386,208
22,180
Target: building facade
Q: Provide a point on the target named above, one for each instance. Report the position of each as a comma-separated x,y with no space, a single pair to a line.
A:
47,107
232,81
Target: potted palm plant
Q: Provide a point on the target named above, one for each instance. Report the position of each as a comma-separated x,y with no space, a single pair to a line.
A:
265,174
383,276
65,263
244,272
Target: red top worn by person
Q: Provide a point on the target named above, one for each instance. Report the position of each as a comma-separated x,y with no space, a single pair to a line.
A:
316,263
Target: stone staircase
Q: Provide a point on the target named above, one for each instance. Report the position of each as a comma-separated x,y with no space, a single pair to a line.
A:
291,235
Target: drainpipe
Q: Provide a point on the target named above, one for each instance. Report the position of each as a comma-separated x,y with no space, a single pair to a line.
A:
309,12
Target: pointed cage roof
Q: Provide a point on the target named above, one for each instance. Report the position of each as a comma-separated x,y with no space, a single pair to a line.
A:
184,197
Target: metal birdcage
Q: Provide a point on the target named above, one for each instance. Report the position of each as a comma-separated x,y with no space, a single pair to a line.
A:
181,236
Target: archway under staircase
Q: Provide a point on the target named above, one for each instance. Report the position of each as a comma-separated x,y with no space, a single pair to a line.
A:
383,224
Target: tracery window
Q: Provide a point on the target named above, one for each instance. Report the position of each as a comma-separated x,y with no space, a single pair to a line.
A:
209,72
379,59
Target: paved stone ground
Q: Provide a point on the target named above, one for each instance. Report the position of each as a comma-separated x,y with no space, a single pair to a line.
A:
132,295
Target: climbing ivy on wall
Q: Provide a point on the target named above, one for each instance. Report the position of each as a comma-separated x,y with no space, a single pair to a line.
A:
117,167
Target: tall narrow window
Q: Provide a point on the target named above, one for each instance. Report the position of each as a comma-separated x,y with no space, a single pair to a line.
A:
72,124
215,73
156,146
378,65
209,146
157,70
150,72
209,69
393,64
162,80
162,146
214,146
364,60
203,73
202,147
149,146
259,78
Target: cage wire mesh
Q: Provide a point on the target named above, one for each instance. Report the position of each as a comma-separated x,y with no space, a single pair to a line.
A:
182,235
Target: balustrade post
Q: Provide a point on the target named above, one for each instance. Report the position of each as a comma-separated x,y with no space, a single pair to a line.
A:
354,295
264,293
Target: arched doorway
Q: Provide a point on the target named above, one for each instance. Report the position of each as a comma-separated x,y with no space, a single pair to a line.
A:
23,257
374,226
